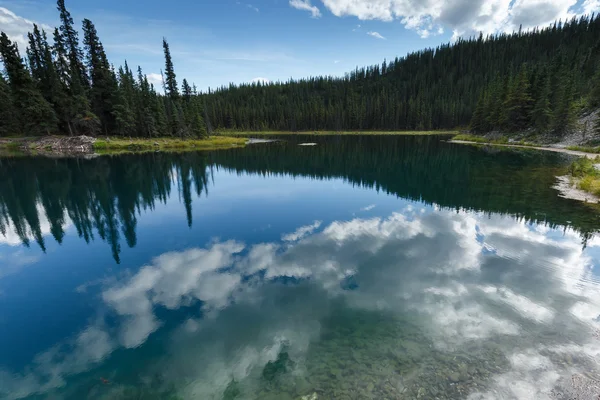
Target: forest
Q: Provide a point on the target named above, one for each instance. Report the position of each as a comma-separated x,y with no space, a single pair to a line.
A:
539,80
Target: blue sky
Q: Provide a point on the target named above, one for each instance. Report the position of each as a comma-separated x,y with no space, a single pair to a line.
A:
215,42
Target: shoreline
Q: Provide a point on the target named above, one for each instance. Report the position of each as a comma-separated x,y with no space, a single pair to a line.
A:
532,147
73,146
339,133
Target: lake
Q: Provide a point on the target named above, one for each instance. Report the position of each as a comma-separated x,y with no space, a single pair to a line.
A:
363,267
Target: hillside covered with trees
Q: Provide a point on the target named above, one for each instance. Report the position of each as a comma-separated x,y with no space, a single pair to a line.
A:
536,80
541,79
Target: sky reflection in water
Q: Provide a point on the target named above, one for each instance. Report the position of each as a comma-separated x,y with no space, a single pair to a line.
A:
365,293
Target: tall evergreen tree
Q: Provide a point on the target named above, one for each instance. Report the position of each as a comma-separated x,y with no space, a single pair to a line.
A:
542,113
103,83
518,103
75,108
70,38
563,116
8,122
35,114
170,77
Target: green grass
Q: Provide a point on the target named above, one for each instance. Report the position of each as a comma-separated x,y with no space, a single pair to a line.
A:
501,140
585,149
585,175
328,133
10,146
120,145
478,139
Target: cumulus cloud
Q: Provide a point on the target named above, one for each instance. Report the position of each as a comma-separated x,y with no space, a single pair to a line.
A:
376,35
15,27
462,17
306,5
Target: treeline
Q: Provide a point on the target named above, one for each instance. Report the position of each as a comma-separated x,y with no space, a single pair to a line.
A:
430,89
64,88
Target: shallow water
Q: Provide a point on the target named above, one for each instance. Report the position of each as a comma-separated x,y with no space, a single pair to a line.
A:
358,268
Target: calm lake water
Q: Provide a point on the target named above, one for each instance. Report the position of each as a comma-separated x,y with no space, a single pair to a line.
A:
359,268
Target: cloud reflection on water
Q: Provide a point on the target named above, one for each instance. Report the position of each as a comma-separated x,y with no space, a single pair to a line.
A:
470,277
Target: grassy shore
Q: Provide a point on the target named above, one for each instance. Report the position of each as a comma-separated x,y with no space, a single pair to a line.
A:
585,176
330,133
63,145
484,140
120,145
585,149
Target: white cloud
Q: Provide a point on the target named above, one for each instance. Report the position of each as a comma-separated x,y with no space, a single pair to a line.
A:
336,61
15,27
250,6
306,5
263,81
591,6
462,17
376,35
368,208
156,80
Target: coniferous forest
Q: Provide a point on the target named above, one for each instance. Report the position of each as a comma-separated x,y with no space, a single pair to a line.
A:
538,80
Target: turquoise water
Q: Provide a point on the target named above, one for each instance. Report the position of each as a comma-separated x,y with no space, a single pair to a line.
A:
359,268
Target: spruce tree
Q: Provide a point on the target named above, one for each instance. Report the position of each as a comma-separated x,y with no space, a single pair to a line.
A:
563,116
8,122
34,113
103,84
70,39
541,115
75,108
478,124
518,103
170,78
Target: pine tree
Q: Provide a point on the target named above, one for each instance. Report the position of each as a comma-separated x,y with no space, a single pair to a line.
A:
563,116
541,115
35,114
75,108
123,112
170,77
103,83
8,122
478,124
518,103
69,36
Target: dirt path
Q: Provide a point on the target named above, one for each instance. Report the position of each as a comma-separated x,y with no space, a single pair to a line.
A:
554,149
